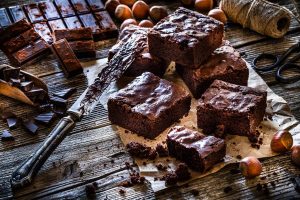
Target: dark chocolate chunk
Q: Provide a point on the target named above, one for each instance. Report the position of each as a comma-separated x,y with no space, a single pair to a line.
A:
96,5
37,95
49,10
9,73
43,29
59,110
66,93
72,22
69,62
34,13
7,136
4,18
80,6
161,150
15,82
182,172
45,118
56,24
12,122
170,178
137,149
30,127
26,86
64,7
17,13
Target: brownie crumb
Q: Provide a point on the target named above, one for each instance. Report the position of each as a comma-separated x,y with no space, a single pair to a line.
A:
125,184
155,178
235,171
253,139
122,192
239,157
161,167
152,154
90,190
258,187
135,178
127,164
182,172
144,163
195,192
227,189
139,150
161,150
170,178
126,131
263,178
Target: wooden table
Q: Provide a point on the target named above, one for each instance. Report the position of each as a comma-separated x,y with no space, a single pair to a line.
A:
94,153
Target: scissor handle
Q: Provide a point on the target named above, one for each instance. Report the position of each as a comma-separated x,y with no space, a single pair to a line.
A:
285,67
268,67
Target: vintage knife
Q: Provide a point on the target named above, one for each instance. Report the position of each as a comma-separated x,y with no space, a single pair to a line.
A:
24,174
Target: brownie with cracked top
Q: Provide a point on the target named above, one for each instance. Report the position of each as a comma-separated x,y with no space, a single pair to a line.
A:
225,64
198,151
144,62
237,109
148,105
186,37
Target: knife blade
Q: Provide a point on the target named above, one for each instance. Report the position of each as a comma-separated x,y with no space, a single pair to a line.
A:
83,106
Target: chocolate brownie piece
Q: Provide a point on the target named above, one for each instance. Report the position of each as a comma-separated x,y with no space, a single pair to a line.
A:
195,149
144,62
224,64
238,109
148,105
186,37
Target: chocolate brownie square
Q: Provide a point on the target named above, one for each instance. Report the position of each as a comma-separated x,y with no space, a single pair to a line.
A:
225,64
237,109
144,62
186,37
195,149
148,105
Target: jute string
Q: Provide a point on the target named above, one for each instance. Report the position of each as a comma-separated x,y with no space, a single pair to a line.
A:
259,15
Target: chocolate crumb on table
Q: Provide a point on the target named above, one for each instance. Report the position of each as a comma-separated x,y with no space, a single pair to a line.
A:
137,149
161,150
170,178
122,192
182,172
227,189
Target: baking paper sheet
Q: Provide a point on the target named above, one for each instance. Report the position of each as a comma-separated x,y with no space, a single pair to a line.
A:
278,116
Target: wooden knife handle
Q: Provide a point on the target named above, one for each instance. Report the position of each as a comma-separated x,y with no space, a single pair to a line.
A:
24,174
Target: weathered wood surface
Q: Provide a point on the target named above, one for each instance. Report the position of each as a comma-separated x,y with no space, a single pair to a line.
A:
93,152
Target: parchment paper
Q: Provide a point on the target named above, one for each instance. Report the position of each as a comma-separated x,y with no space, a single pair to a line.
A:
278,116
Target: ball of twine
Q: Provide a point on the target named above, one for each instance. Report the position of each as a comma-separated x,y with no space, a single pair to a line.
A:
259,15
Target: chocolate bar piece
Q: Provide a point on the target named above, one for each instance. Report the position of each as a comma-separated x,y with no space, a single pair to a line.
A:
108,28
17,13
4,18
45,118
37,95
56,24
15,82
70,64
59,101
84,48
12,122
30,52
65,94
34,13
49,10
20,41
73,35
80,6
96,5
65,8
30,127
26,86
9,73
7,136
72,22
59,110
14,30
43,29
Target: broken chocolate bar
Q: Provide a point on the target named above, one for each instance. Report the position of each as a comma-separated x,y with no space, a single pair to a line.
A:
80,6
26,86
72,22
65,8
56,24
73,35
33,12
59,110
9,73
49,10
37,95
65,94
96,5
70,64
59,101
43,29
7,136
30,127
30,52
4,18
12,122
45,118
17,13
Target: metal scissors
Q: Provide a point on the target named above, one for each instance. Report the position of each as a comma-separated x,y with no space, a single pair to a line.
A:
281,67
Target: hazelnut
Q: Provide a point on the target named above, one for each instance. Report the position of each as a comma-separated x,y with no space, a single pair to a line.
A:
123,12
204,5
128,22
158,12
282,141
111,6
250,167
146,23
218,14
296,155
188,3
140,10
128,2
